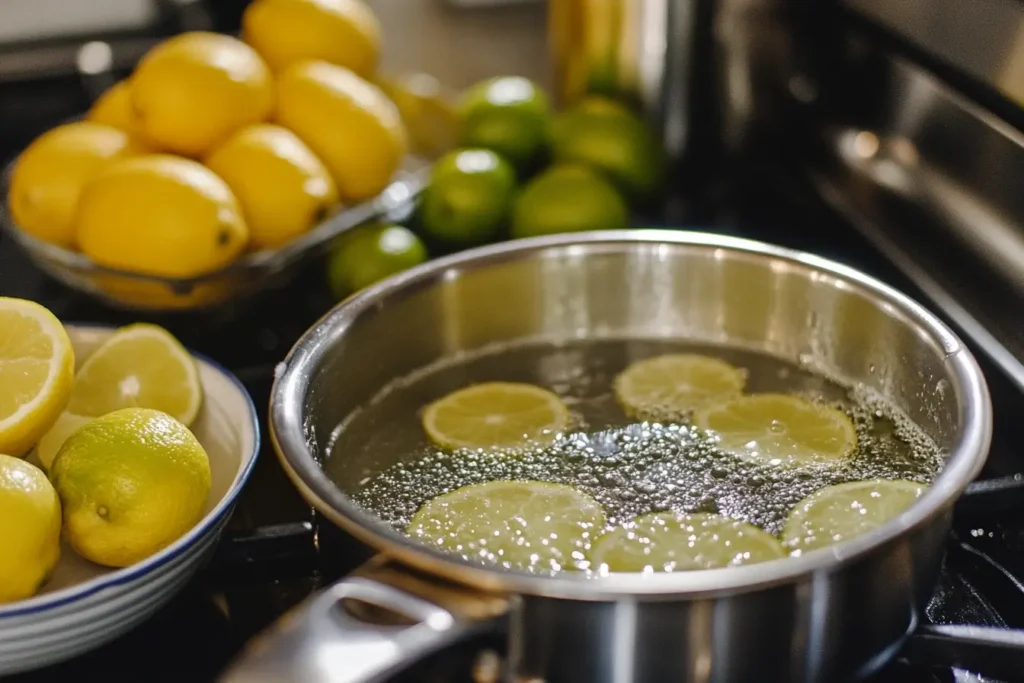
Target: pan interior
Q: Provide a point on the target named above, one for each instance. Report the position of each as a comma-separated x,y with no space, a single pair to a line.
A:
731,301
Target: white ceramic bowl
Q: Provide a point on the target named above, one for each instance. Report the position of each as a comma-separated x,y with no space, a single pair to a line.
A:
85,605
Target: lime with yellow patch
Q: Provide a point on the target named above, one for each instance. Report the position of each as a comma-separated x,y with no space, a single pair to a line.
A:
139,366
37,367
527,525
29,527
844,511
675,384
130,483
780,429
671,541
495,415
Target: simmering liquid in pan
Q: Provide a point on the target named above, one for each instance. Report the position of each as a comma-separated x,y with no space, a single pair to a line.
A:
632,456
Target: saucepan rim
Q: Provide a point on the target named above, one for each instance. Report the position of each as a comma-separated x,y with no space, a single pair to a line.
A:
294,374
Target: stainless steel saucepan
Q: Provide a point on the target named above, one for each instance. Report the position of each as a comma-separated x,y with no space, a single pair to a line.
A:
836,612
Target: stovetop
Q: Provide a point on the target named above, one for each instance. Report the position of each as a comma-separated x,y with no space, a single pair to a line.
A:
277,550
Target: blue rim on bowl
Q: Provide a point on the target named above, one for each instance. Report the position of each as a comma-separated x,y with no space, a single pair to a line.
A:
42,603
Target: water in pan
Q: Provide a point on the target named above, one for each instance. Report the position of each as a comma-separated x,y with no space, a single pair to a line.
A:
630,467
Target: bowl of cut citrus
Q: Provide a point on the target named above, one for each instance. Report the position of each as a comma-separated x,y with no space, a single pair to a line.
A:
121,457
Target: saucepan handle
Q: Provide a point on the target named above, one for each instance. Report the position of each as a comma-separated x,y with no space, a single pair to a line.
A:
991,652
324,640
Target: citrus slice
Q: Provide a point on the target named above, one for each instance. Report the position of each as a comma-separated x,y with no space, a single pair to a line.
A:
676,383
527,525
495,415
139,366
671,541
37,368
837,513
778,428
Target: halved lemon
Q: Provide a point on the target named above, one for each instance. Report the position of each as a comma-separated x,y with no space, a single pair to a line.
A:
672,541
779,428
495,415
527,525
139,366
837,513
37,367
675,384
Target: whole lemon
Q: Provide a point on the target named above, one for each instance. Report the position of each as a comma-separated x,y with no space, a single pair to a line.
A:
130,483
48,176
162,215
342,32
349,123
114,108
191,92
283,188
29,527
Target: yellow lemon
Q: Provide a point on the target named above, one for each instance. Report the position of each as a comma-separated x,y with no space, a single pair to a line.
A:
430,119
191,92
495,415
37,367
349,123
139,366
342,32
130,484
161,215
48,176
114,108
283,188
29,527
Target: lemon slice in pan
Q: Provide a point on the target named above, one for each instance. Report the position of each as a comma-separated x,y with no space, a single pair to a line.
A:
670,541
675,384
778,428
840,512
495,415
527,525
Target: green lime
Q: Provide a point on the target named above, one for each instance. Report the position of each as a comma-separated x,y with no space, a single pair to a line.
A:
607,136
527,525
669,541
468,198
509,115
840,512
568,199
371,253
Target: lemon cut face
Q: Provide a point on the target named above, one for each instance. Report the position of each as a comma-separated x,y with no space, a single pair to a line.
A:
780,429
37,367
671,542
844,511
139,366
525,525
495,415
676,384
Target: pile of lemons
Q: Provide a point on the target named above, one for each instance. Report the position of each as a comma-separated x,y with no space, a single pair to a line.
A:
102,457
215,145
